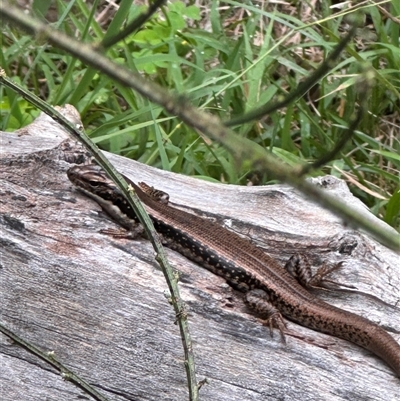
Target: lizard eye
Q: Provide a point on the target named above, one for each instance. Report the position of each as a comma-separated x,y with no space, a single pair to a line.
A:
94,183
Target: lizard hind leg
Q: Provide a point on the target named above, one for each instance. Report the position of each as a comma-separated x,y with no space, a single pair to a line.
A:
299,267
259,301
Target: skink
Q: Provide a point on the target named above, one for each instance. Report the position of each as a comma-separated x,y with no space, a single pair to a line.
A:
244,266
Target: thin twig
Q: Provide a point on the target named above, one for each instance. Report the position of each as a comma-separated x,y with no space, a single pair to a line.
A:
132,26
303,87
388,15
363,87
246,153
66,374
135,203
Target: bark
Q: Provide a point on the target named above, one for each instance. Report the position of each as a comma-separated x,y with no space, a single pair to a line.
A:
100,305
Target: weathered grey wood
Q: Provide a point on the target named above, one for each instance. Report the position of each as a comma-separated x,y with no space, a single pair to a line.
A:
99,303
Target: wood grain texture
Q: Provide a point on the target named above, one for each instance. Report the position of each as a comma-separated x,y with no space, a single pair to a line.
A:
100,303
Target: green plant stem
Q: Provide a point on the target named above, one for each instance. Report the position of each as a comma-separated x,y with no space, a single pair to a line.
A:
305,86
50,359
143,217
243,150
132,26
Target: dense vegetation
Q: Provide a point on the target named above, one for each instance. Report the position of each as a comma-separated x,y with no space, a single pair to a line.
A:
228,58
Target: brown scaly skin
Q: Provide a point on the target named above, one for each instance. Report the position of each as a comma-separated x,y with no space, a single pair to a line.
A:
243,265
